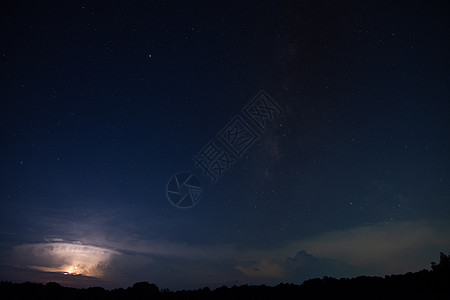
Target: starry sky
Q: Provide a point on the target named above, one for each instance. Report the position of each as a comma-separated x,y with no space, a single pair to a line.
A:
102,103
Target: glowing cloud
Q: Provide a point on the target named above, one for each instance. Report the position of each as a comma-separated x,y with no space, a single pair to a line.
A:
67,258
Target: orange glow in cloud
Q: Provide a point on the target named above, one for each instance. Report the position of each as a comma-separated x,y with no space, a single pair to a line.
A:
68,258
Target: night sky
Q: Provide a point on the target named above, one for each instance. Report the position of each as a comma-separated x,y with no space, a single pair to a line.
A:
102,103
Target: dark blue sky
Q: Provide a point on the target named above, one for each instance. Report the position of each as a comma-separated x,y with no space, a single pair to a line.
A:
102,103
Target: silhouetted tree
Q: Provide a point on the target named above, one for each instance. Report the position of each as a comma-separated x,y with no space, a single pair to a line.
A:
424,284
144,290
444,264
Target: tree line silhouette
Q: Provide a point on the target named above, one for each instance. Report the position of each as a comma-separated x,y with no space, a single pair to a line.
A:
424,284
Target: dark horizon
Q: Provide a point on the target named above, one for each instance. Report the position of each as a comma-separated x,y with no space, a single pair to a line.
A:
423,284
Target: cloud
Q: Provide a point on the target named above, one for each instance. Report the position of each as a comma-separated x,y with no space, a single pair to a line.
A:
65,258
263,269
387,247
375,249
306,266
